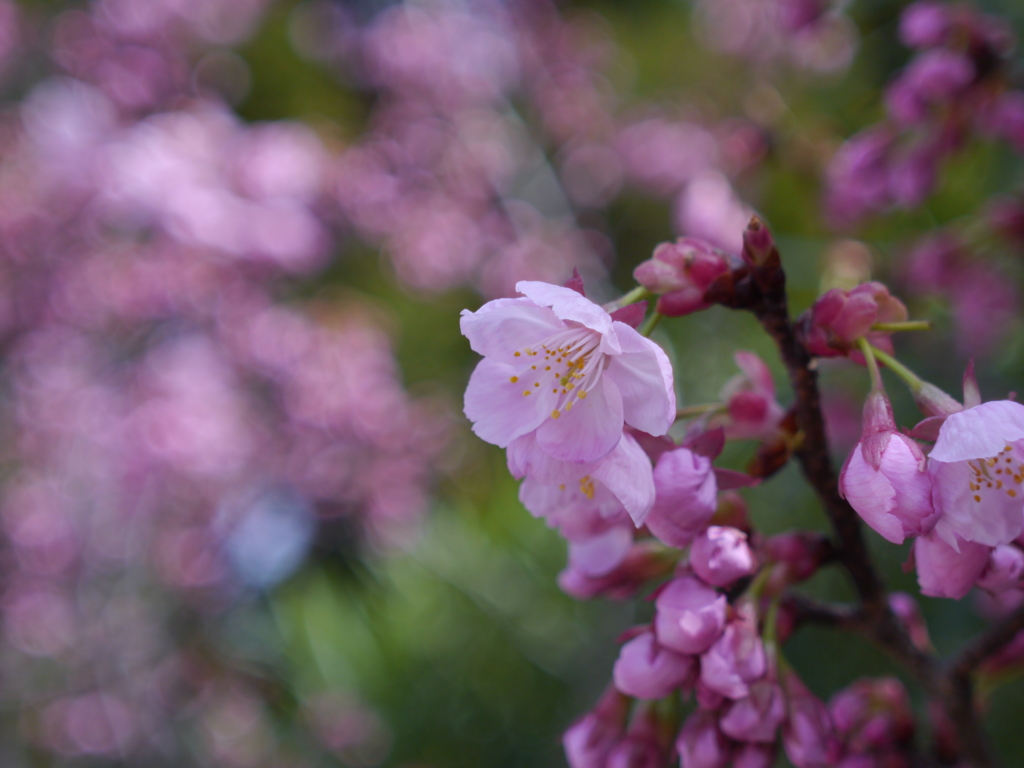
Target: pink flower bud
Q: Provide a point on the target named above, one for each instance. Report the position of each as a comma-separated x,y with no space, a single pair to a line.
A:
753,411
832,326
680,272
873,715
736,659
685,495
647,670
909,612
646,560
1004,569
754,756
884,478
646,744
808,735
701,744
758,243
757,716
690,616
721,555
589,740
944,572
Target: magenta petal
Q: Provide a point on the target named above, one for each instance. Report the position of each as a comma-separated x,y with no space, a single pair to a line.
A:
601,554
686,496
944,572
643,375
979,432
589,430
690,615
756,717
631,314
872,496
499,410
501,327
567,304
648,671
628,474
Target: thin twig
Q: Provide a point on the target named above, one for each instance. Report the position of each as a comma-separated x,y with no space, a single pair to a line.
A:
986,645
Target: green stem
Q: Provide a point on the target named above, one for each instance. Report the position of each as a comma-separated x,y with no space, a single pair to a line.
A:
909,325
637,294
911,379
650,323
869,357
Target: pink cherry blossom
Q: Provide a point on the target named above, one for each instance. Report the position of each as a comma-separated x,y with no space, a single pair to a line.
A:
977,472
757,716
680,272
558,366
701,744
838,318
647,670
753,411
686,492
1004,570
884,478
690,615
736,659
574,495
945,571
721,555
808,735
589,740
644,561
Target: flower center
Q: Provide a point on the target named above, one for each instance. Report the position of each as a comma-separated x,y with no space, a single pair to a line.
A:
568,362
1002,473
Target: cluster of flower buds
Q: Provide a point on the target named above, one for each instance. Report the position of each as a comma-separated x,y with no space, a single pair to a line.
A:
955,84
833,325
723,655
875,722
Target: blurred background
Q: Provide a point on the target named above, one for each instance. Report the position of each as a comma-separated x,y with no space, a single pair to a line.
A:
243,520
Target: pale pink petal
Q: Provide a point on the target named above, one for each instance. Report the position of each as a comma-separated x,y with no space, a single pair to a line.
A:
643,375
499,410
944,572
628,474
567,304
686,496
756,370
979,432
872,495
502,327
987,516
601,554
589,430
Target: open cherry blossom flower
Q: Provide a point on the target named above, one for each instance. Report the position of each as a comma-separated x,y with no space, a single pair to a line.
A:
570,495
558,365
977,471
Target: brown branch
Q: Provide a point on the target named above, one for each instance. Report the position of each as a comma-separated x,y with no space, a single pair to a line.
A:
986,645
758,285
808,610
